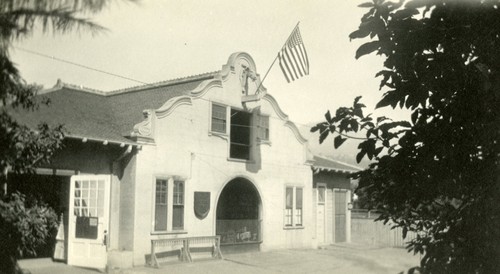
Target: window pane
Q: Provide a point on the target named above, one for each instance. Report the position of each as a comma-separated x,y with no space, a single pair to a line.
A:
218,118
288,217
218,112
160,223
289,197
239,151
178,217
178,193
298,198
160,217
263,133
298,217
321,195
218,125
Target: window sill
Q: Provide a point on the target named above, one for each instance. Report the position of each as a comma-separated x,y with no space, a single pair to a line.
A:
215,133
170,232
293,227
264,142
240,160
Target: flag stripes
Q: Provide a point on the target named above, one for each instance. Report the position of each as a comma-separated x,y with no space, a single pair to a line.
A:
293,57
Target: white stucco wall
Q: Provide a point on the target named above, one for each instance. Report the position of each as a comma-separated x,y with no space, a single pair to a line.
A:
184,147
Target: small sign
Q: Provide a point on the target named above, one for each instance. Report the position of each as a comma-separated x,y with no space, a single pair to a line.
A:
93,221
201,204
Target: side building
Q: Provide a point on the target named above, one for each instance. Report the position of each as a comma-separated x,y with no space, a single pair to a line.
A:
332,199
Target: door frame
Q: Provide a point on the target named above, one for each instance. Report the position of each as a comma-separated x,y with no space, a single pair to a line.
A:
102,232
325,207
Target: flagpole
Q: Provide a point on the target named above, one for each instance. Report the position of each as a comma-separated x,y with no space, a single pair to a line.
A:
277,55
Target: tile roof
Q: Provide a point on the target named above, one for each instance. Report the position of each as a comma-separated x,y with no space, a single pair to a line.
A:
98,115
325,163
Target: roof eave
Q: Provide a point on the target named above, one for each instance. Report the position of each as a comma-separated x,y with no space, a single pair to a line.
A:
103,141
338,170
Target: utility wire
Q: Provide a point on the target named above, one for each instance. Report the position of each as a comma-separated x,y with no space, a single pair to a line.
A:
78,65
137,81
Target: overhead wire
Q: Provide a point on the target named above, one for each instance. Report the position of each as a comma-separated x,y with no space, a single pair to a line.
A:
137,81
77,64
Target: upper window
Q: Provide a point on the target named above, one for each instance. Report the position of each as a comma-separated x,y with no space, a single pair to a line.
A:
263,128
168,205
293,206
219,118
240,134
241,126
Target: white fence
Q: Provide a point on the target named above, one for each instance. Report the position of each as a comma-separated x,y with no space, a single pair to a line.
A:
365,230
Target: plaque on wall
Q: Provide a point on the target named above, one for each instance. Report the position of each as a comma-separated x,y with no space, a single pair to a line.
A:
201,204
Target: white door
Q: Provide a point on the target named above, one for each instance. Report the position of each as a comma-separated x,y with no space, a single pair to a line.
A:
88,220
320,217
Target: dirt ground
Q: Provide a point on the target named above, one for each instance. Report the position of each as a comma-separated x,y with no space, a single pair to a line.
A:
345,258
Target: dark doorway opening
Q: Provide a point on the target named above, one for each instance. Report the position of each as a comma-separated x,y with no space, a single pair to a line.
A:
54,192
239,212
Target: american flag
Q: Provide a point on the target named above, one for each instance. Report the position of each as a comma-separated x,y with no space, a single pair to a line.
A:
293,57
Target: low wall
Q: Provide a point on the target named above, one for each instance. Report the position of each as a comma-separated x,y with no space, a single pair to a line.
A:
365,230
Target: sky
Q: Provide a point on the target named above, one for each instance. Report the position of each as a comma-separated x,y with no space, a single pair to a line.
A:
155,41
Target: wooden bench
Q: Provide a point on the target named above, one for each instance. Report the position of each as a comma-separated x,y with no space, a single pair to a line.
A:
183,247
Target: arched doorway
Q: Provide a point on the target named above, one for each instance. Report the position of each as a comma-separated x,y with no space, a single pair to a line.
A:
239,211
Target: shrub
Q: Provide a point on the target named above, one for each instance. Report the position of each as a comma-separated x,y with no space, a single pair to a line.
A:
24,226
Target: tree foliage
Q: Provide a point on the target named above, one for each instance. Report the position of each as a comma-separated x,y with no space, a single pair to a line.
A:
23,148
437,175
26,224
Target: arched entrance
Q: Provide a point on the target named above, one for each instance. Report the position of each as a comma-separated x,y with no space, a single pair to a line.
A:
239,211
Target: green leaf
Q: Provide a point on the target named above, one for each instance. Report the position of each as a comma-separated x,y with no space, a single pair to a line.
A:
367,48
366,5
406,13
315,128
338,141
358,112
391,98
356,100
328,117
403,124
354,125
323,136
360,156
381,119
360,33
416,4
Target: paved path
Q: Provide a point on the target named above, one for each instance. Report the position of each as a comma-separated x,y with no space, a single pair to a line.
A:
348,258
